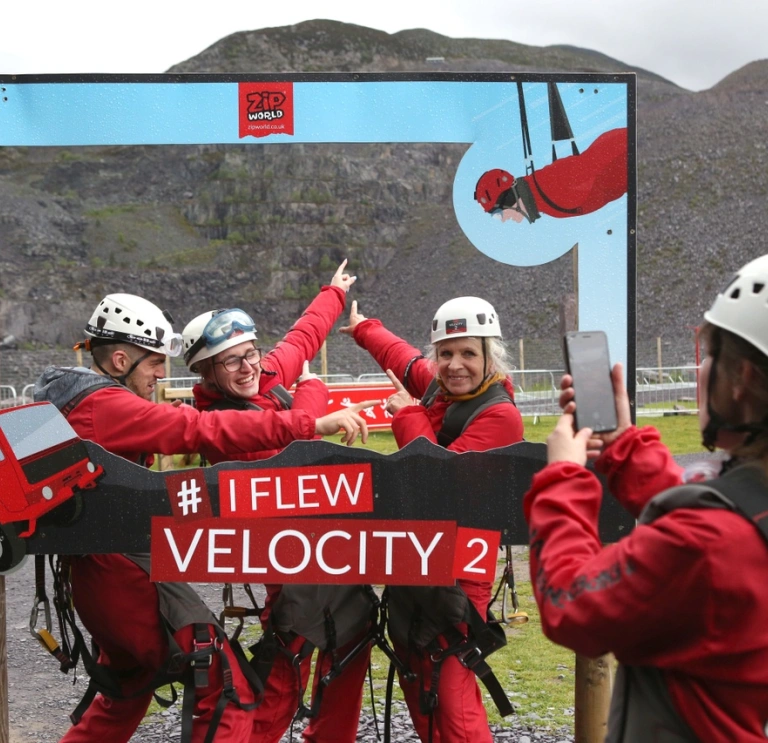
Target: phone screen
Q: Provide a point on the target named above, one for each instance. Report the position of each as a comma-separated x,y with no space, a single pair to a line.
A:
587,361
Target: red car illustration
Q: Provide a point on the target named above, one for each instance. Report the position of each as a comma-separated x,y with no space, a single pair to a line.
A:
42,464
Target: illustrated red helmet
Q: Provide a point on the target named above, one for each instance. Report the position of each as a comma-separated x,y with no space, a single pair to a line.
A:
490,187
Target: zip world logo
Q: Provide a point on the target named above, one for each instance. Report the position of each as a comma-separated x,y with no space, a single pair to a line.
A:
265,108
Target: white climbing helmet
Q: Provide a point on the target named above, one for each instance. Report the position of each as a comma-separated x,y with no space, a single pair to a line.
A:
742,307
465,316
126,318
215,331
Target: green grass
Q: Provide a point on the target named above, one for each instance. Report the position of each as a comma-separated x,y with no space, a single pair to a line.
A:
679,432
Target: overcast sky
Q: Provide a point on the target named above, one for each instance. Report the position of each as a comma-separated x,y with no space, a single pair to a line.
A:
694,43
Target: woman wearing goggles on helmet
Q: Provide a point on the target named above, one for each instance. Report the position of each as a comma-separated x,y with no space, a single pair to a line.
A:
221,347
698,558
465,362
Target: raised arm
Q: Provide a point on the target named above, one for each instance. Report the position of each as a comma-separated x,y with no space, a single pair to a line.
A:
307,334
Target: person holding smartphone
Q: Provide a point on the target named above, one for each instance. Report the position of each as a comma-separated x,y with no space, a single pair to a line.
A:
681,601
463,375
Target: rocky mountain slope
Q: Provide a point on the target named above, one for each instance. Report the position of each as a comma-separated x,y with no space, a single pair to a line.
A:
261,226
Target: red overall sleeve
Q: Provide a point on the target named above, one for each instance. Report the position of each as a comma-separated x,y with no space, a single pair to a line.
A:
638,466
312,396
392,352
128,425
620,598
305,338
583,183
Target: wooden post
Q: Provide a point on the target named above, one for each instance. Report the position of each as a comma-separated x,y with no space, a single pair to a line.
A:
658,357
324,360
4,725
164,461
594,683
522,355
79,357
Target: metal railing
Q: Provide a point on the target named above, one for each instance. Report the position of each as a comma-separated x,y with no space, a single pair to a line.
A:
666,390
8,397
373,378
658,390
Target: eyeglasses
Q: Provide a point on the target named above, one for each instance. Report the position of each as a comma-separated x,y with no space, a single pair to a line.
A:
233,363
226,323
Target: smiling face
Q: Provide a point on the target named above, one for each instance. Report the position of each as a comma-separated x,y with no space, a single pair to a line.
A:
143,379
460,364
243,381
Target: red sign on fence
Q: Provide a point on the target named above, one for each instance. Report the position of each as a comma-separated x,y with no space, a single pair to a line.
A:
343,396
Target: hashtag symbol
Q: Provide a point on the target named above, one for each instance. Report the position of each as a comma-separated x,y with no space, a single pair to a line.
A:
188,496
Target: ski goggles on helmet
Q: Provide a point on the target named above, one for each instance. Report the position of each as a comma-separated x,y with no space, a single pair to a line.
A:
225,324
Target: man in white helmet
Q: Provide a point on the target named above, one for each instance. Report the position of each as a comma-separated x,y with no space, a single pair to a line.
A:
221,346
134,621
466,405
681,601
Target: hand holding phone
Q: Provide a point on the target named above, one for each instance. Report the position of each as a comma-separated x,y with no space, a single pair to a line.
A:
588,363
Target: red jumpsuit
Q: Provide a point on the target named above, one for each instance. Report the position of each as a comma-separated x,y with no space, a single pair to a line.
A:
684,594
460,715
113,596
342,699
581,184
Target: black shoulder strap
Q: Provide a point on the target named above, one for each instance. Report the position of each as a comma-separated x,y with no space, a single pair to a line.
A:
459,414
408,370
279,393
430,394
69,406
747,489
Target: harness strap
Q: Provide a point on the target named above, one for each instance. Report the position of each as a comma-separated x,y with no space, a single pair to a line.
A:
317,698
279,393
408,369
69,406
43,635
459,415
200,660
745,487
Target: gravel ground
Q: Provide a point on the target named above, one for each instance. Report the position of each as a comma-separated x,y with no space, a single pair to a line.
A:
41,698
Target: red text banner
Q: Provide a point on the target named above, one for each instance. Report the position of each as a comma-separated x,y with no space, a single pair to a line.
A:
304,551
477,552
188,495
296,491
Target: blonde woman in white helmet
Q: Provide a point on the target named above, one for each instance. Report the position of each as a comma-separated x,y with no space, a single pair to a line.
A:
465,368
681,601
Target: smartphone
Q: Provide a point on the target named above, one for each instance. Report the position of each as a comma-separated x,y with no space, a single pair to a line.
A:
588,363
